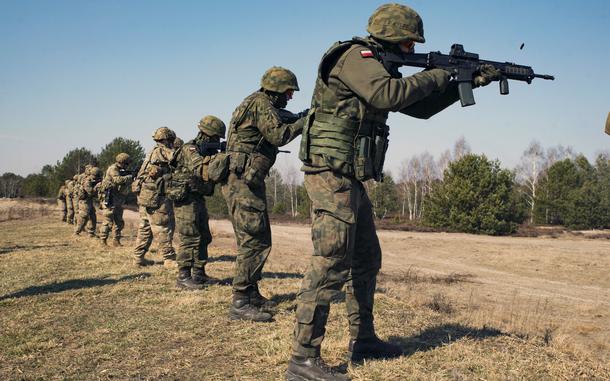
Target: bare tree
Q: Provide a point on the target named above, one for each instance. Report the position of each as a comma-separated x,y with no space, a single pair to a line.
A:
291,179
461,148
529,171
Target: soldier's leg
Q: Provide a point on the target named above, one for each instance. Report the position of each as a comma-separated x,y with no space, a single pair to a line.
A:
119,223
333,234
360,288
62,209
83,216
92,225
186,227
107,224
248,211
70,211
205,236
159,222
144,237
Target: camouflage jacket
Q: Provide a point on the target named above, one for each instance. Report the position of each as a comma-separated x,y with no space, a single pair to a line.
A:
117,182
189,166
354,86
256,127
61,194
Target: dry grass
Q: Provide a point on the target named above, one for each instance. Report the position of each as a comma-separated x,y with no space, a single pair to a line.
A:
70,309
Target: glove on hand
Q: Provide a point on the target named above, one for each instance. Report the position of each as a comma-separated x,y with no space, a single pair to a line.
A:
487,73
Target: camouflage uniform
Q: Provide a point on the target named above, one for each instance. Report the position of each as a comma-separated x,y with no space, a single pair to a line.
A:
86,192
155,209
187,190
115,186
68,190
255,132
61,202
344,144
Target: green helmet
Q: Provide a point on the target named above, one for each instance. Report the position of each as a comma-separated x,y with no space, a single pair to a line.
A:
123,158
163,133
279,80
212,126
396,22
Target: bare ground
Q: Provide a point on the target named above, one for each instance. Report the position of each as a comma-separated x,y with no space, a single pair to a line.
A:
463,307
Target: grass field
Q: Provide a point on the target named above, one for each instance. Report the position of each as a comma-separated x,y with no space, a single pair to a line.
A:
71,309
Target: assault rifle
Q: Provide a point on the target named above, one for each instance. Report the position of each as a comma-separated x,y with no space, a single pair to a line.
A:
462,65
212,148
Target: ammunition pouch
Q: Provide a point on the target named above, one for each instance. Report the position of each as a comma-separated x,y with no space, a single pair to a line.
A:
352,148
257,168
151,194
177,187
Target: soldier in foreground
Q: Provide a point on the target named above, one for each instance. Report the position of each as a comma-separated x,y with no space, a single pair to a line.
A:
113,192
255,132
343,144
86,192
187,190
61,202
154,207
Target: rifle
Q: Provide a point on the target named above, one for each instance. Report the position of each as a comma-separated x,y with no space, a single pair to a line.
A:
462,65
212,148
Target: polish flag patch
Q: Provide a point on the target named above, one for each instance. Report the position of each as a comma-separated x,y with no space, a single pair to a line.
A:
366,53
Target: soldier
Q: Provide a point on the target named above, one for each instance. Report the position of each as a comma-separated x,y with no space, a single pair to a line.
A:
86,192
68,189
607,129
154,208
255,132
187,191
344,144
61,202
114,190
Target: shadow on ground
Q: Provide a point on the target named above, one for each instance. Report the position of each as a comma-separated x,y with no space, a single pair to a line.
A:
10,249
72,284
434,337
223,258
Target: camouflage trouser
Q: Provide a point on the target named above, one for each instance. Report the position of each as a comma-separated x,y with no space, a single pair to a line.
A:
70,210
193,230
62,209
155,221
346,249
248,213
86,216
113,219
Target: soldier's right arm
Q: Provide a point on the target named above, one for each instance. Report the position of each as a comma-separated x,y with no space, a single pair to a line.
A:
271,126
368,79
114,175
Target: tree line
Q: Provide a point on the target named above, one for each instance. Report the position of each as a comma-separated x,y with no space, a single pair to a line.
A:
458,191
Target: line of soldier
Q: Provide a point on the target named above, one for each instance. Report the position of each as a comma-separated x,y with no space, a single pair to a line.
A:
344,142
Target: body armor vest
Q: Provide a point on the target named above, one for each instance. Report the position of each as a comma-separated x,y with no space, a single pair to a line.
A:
343,133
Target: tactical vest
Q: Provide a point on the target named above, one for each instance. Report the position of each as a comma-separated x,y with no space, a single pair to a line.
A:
344,134
183,181
251,156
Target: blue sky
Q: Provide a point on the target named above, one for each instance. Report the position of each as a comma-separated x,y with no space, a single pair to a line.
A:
79,73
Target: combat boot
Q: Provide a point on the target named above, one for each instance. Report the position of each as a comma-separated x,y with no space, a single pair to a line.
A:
257,300
242,309
184,280
301,368
141,261
116,242
104,241
374,348
200,277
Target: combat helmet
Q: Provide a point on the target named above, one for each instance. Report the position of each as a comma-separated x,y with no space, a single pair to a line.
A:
212,126
123,158
279,80
163,133
396,22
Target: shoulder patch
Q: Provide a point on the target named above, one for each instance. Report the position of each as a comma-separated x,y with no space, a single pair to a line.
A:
366,53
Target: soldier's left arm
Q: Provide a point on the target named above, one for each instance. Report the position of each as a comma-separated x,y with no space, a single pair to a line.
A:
433,103
272,128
